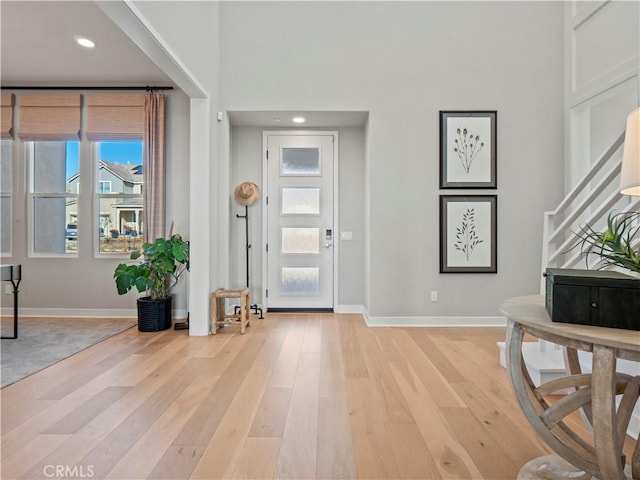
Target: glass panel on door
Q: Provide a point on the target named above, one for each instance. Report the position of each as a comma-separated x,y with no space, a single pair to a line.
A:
300,241
300,201
300,281
300,161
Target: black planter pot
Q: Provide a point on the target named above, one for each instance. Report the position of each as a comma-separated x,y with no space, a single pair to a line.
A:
154,315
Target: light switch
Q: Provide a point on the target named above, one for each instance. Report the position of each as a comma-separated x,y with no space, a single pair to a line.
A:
346,235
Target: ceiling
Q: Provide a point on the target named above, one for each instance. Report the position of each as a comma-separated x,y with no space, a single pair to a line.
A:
38,48
283,119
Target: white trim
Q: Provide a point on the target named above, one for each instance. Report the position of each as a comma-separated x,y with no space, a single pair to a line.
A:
349,309
336,207
200,231
615,76
586,12
263,197
128,17
435,321
336,215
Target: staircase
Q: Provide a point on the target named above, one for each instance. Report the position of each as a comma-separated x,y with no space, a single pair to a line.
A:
589,202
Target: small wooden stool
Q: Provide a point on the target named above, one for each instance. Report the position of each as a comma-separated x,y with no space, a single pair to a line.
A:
218,313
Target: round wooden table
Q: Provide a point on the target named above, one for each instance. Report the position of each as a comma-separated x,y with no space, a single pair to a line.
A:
594,393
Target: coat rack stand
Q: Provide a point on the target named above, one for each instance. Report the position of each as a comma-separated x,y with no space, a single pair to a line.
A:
254,307
13,274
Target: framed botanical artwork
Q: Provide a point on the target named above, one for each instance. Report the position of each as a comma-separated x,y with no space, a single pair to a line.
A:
468,234
468,149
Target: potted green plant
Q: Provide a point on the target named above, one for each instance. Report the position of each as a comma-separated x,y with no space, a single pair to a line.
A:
618,245
162,264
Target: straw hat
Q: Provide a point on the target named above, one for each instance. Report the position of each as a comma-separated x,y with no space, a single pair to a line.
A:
246,193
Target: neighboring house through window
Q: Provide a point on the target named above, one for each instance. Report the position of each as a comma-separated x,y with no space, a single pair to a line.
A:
119,197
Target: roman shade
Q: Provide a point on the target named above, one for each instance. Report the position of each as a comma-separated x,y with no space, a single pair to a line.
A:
115,116
6,115
49,116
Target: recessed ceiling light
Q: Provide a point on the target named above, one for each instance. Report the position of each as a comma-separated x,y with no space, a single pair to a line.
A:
298,119
276,119
85,42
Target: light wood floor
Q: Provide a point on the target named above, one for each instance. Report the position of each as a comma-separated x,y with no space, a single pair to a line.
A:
299,396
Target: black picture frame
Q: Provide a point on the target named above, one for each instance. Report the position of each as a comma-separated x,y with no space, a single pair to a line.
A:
468,234
468,149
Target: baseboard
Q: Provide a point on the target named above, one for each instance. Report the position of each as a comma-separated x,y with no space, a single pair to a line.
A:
349,309
452,321
543,366
83,312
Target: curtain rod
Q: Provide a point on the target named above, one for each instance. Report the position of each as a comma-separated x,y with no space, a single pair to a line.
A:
148,88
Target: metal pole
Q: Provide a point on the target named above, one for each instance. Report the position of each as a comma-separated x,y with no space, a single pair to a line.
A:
15,308
15,282
246,238
253,307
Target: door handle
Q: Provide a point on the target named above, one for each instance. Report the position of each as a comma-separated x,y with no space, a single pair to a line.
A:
328,245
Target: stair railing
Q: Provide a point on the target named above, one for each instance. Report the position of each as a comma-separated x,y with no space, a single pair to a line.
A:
589,202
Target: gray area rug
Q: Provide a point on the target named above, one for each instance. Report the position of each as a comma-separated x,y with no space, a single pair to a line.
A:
42,342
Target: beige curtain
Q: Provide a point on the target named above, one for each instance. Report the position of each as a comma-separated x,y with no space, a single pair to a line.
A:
154,167
6,120
48,116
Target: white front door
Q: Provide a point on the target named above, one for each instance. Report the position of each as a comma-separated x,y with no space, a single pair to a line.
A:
299,220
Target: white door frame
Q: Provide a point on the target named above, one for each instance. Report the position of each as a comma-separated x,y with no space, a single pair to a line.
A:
336,205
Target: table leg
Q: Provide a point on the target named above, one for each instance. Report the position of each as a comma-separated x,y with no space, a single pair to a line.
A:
15,284
572,363
244,313
608,451
214,313
562,440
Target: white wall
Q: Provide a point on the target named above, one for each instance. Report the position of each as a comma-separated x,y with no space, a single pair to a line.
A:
403,62
601,84
190,30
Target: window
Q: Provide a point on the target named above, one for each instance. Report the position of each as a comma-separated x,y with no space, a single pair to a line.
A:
61,215
119,200
105,186
6,195
54,188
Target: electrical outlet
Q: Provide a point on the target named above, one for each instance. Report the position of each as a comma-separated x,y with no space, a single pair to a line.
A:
434,296
7,289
